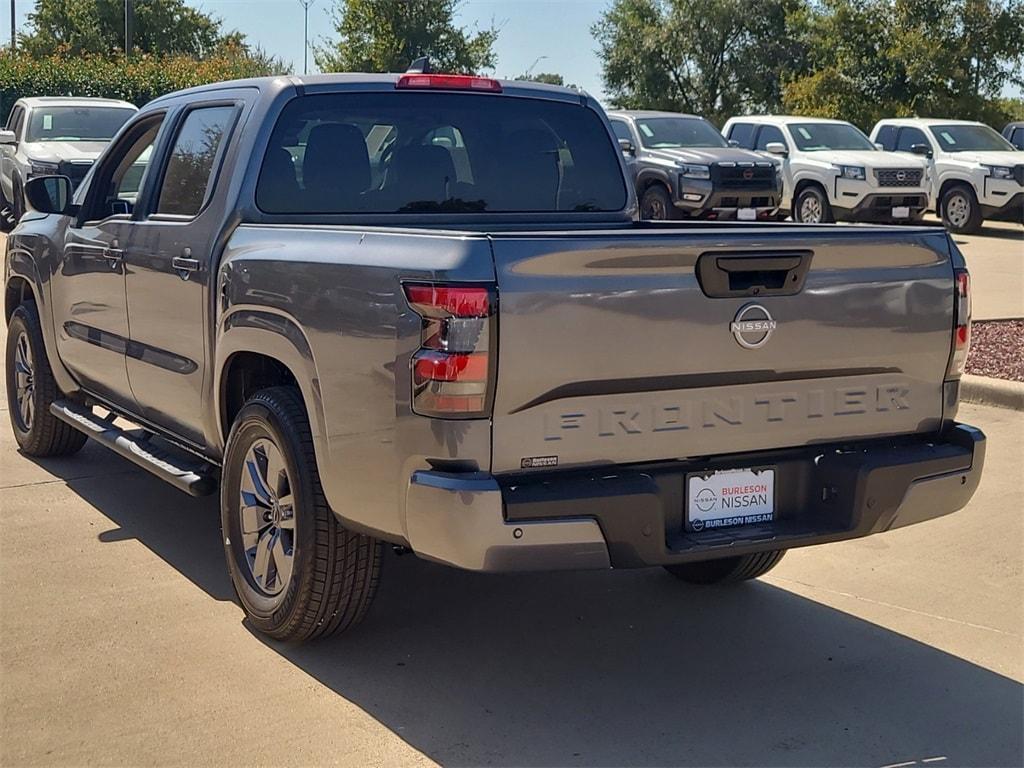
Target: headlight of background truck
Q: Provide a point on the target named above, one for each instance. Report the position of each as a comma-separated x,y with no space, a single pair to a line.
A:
39,168
695,171
852,172
998,171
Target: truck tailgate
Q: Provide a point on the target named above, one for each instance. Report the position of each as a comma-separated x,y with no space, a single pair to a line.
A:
612,350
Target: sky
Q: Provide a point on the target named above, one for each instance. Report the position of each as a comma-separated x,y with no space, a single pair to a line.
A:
548,35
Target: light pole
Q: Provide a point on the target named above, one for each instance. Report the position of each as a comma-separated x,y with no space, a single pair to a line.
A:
128,13
305,35
14,42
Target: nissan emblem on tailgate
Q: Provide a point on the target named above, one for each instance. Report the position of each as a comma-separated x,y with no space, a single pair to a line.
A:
752,326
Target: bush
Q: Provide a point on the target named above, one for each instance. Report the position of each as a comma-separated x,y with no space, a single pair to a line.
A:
138,80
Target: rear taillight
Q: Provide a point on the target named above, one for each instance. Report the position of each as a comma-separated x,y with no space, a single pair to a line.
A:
452,372
961,324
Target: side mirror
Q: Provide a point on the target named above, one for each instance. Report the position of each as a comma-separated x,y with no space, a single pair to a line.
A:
8,138
879,146
627,146
733,143
776,148
921,149
49,194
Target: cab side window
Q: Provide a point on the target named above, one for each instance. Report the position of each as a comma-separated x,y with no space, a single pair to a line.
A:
193,161
16,120
909,137
742,134
119,180
1017,138
887,137
767,135
621,130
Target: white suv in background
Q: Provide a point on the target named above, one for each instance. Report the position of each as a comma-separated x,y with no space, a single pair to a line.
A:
976,174
832,172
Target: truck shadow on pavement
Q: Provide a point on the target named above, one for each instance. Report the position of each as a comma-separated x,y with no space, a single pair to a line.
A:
607,668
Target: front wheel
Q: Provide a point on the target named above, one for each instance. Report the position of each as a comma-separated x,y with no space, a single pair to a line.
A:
960,211
298,573
31,389
727,570
812,207
656,205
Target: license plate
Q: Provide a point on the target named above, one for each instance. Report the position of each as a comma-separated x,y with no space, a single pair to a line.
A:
730,497
901,212
746,214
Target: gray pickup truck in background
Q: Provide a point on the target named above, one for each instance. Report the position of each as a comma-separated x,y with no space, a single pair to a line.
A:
48,135
683,168
419,310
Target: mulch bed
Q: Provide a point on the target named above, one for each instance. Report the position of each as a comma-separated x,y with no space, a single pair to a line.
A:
997,349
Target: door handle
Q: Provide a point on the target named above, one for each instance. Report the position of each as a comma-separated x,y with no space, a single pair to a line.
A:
184,266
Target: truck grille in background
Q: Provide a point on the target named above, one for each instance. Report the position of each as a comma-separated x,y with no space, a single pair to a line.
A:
899,177
75,171
743,176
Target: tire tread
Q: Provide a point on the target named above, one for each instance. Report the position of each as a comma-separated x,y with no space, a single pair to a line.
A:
346,564
49,436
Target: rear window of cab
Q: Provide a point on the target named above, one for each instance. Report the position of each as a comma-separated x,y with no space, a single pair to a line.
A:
409,152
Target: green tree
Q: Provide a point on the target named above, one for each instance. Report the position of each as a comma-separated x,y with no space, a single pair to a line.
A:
716,58
882,58
388,35
161,27
550,78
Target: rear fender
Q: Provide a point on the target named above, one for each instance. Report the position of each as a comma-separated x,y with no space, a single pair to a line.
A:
272,334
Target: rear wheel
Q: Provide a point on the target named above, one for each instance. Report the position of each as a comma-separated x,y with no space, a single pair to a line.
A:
31,389
960,210
656,204
727,570
298,573
812,207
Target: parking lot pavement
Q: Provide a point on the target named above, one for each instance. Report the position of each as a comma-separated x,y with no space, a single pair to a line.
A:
995,257
120,644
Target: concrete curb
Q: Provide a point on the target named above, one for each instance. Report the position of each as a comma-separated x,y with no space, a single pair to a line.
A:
987,391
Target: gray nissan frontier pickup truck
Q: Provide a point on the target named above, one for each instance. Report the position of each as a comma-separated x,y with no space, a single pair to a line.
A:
419,310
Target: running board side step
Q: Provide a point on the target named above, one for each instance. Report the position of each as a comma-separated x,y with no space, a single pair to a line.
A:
185,472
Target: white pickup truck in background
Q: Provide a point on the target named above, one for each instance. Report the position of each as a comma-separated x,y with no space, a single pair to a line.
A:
976,174
832,172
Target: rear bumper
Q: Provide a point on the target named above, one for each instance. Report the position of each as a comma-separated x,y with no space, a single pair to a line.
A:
632,516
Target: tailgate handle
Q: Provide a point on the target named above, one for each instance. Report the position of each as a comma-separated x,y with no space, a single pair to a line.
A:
730,275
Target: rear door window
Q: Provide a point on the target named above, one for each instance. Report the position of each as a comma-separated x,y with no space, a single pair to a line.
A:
767,135
910,136
193,160
420,152
887,137
621,130
742,134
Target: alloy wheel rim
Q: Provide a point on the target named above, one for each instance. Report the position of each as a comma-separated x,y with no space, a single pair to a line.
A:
267,517
655,209
958,210
810,210
24,381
